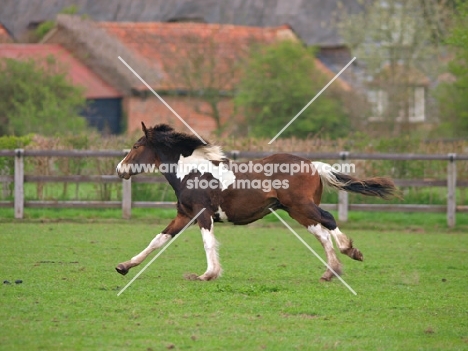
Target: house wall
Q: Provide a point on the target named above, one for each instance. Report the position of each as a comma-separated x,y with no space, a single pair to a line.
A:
152,111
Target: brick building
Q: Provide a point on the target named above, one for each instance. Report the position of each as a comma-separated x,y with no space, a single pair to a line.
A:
193,66
104,102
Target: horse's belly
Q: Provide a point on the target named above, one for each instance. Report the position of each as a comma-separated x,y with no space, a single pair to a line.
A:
245,209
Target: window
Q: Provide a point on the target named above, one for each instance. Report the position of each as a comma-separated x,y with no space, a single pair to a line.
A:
379,101
418,114
415,105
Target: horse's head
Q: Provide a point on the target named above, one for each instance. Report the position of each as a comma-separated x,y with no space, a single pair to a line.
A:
141,158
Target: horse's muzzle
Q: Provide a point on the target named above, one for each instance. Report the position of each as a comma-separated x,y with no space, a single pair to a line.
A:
123,175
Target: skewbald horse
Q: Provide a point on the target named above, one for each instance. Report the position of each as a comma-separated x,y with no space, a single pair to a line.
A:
298,194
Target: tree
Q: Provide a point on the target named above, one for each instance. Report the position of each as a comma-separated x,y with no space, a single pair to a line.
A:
278,81
452,95
398,43
36,97
207,70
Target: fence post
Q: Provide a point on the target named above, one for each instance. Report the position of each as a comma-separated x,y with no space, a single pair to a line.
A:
19,183
451,190
343,199
126,198
126,195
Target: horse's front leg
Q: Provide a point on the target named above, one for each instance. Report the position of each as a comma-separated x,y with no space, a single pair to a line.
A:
171,230
213,270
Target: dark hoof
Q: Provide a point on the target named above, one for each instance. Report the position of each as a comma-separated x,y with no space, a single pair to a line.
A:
355,254
327,276
325,279
191,276
121,269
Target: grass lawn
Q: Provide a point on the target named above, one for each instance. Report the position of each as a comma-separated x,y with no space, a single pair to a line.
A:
412,289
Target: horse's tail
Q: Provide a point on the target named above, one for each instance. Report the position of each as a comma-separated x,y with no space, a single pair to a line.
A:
377,186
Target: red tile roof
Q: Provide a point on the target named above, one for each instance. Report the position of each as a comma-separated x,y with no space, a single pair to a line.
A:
78,73
4,35
180,48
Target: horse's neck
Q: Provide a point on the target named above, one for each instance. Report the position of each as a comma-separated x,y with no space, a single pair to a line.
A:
173,181
170,173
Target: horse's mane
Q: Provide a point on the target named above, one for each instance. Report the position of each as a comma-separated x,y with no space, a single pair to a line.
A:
163,136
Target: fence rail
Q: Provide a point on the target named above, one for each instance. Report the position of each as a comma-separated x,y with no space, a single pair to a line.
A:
343,205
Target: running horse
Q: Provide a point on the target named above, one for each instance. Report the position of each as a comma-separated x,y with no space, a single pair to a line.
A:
240,193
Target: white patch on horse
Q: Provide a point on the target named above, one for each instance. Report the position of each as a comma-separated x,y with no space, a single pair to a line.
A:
321,232
213,270
117,169
325,171
222,215
156,243
201,160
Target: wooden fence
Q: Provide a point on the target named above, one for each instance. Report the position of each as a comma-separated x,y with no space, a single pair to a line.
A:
127,204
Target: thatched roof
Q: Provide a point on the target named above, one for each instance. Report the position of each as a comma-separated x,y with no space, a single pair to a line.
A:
168,56
99,50
314,21
186,52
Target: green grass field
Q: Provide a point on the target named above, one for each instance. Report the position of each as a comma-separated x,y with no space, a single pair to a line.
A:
411,288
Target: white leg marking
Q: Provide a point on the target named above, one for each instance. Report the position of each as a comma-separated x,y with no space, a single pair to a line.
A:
213,270
321,232
342,240
324,237
156,243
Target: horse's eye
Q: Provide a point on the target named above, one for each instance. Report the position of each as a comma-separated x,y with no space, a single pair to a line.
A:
136,146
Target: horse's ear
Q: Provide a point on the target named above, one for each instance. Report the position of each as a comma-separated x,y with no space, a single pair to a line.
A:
144,129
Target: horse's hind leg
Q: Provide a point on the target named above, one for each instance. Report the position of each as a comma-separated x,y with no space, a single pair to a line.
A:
321,223
310,217
334,264
345,245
